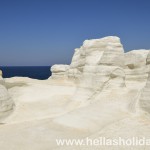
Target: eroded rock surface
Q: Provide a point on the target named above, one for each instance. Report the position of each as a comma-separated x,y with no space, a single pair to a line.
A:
103,92
6,103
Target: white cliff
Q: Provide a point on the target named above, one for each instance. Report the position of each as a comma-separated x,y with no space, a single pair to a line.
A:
103,92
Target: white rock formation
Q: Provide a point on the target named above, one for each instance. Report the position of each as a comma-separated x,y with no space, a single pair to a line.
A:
1,73
95,65
145,96
136,68
6,103
59,71
104,92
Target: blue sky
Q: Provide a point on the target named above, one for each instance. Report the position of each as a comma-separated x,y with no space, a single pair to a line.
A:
46,32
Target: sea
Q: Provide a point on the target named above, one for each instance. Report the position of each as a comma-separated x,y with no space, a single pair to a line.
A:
35,72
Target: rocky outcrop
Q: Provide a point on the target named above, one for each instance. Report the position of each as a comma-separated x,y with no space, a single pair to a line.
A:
1,73
104,92
101,64
136,68
102,57
97,64
6,103
145,95
97,68
136,59
59,71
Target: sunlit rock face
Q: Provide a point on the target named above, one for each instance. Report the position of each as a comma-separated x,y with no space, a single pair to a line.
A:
1,78
107,51
96,64
101,64
1,73
59,71
136,68
145,96
104,92
6,103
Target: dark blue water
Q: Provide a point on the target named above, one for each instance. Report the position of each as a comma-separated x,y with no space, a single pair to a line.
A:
36,72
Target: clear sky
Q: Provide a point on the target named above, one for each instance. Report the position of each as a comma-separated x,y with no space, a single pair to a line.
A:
46,32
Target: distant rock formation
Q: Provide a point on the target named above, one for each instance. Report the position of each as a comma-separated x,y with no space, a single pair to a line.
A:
59,71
